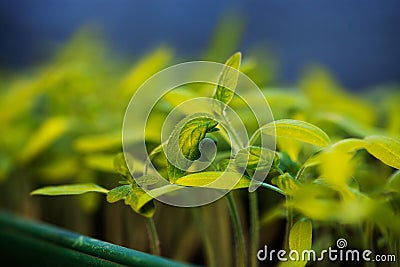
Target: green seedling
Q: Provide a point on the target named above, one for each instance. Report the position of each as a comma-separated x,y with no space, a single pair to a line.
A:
334,166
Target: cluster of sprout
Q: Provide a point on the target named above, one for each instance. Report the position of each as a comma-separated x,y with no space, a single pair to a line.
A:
336,162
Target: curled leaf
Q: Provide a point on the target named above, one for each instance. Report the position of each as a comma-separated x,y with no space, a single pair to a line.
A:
184,141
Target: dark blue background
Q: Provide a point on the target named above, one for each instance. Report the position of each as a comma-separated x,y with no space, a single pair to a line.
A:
358,40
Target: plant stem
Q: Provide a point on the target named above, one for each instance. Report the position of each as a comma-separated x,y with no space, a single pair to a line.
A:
274,188
237,227
289,223
153,236
254,228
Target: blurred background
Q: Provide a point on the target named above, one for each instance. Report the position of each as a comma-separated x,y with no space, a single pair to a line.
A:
357,40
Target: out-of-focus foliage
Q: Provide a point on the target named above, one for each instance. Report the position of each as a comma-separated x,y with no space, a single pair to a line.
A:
337,158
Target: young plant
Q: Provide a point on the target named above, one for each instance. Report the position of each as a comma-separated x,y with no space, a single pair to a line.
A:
321,177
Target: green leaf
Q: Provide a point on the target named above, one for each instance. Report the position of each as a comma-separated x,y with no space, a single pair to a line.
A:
132,199
299,130
187,139
348,145
73,189
218,180
255,158
227,82
286,183
159,191
300,238
118,193
384,148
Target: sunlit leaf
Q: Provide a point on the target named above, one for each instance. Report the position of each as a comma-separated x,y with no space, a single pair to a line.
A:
299,130
225,89
300,238
159,191
219,180
73,189
384,148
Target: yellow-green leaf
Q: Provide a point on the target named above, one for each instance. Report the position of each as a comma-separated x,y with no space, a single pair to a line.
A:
286,183
159,191
219,180
384,148
228,78
300,239
73,189
299,130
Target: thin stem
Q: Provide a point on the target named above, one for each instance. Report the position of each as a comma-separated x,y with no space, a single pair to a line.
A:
289,222
237,227
254,228
153,236
274,188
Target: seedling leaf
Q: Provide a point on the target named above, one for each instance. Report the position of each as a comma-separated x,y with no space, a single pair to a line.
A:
384,148
118,193
227,82
299,130
300,238
73,189
218,180
187,139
